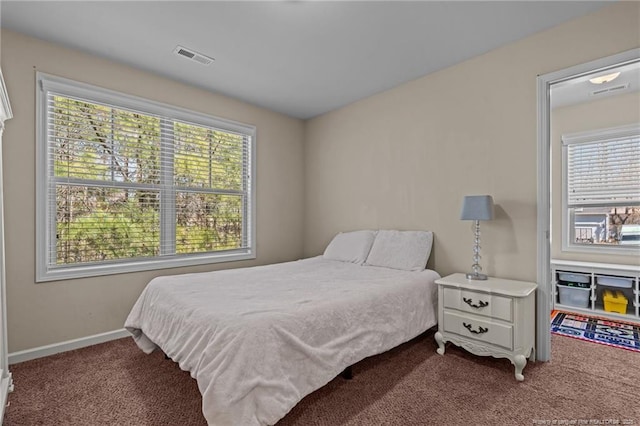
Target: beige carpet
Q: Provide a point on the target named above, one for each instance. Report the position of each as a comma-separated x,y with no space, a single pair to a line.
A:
116,384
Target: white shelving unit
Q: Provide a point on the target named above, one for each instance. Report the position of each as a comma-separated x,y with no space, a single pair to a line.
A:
596,303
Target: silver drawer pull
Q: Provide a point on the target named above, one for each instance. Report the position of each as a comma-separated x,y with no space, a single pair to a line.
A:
480,330
480,304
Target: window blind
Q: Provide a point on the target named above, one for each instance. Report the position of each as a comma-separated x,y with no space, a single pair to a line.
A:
126,184
604,172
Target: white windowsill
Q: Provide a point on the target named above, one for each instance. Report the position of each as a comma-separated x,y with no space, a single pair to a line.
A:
602,249
65,273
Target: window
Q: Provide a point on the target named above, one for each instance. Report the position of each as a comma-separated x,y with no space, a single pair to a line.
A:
601,190
126,184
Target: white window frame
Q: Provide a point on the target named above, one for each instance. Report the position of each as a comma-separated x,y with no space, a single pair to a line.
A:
568,231
47,272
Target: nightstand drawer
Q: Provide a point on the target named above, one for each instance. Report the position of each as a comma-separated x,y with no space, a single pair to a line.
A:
484,331
479,303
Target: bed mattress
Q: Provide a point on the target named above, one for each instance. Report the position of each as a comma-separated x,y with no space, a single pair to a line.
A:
258,340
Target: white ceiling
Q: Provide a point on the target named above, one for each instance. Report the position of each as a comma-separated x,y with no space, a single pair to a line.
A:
300,58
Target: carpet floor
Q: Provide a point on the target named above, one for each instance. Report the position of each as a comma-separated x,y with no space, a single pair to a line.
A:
116,384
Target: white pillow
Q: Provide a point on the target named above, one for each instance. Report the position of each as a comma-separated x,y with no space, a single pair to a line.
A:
350,246
406,250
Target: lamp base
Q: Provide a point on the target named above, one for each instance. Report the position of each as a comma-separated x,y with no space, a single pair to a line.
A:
478,277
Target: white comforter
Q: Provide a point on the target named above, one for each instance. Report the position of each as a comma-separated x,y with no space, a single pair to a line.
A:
257,340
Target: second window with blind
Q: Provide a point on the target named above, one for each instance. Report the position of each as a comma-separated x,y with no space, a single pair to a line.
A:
601,190
127,184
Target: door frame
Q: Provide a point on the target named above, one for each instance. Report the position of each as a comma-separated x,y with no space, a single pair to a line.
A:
544,298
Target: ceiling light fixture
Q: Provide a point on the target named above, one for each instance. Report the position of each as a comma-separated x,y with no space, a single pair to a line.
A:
604,78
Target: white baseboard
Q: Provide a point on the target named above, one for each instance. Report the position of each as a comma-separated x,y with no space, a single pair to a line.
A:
69,345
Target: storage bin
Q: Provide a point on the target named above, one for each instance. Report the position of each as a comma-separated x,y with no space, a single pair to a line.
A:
572,277
615,301
574,296
619,282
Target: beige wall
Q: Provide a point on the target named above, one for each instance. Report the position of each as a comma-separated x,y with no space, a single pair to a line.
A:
45,313
608,112
401,159
406,157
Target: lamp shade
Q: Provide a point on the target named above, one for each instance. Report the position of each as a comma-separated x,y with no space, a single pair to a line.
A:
477,207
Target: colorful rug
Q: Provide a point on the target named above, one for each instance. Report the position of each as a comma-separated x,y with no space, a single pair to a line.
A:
598,330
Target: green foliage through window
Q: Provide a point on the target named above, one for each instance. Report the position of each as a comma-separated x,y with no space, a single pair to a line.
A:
121,179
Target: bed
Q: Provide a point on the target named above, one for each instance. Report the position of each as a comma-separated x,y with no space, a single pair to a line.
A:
259,339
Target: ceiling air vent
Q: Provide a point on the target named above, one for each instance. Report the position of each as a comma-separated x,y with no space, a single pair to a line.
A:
193,55
611,89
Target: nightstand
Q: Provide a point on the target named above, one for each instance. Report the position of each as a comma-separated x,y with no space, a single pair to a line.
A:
493,317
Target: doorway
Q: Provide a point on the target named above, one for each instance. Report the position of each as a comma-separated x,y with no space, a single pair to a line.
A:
546,84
